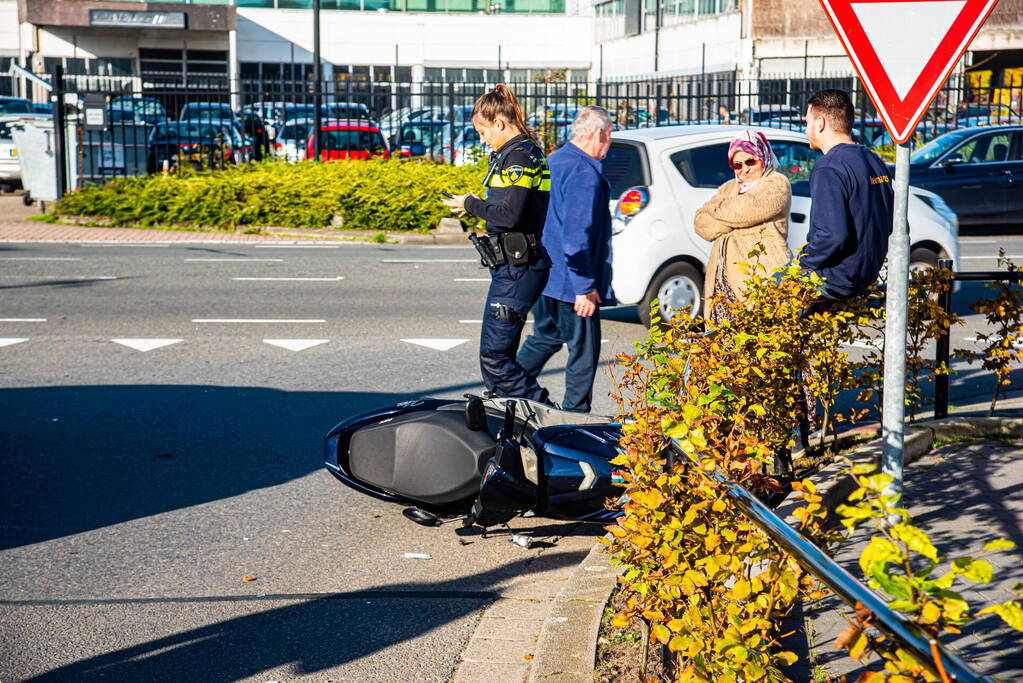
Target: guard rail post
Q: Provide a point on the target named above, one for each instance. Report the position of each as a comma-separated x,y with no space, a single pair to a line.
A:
941,358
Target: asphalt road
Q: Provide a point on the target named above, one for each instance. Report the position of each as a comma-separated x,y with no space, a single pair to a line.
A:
139,487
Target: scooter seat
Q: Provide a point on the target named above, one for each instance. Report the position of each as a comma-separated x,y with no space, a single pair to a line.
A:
429,456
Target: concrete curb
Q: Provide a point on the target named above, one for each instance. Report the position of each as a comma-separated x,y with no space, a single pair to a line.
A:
566,651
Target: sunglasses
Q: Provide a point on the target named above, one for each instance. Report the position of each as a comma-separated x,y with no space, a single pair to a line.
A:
752,161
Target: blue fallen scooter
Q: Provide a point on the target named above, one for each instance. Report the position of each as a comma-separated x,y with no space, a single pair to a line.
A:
480,461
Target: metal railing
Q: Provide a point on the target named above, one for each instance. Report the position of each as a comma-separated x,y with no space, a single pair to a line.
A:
842,583
942,350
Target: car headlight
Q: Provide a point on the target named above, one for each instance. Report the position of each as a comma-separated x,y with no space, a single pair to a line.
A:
942,209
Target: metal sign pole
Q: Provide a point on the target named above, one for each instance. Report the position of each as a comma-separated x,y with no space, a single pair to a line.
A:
897,292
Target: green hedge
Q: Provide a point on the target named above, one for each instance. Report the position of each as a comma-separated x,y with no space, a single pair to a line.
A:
367,195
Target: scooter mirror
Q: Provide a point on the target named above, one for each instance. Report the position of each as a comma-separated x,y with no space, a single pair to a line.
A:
475,414
421,517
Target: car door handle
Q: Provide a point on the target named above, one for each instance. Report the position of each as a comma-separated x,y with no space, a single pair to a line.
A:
798,217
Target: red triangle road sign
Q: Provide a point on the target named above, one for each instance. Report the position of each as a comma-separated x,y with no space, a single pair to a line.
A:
904,50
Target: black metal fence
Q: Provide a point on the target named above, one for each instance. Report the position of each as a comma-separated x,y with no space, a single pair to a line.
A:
119,128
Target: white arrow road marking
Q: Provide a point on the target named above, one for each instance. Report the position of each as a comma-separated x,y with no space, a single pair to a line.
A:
234,260
289,279
430,260
11,341
145,344
254,320
904,55
438,344
295,344
22,320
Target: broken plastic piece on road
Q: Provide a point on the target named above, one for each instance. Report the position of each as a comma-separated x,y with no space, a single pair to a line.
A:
521,540
418,556
248,578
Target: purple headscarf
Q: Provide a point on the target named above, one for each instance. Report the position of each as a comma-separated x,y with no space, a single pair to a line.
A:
755,144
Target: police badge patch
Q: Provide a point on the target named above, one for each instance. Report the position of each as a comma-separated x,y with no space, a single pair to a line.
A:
513,173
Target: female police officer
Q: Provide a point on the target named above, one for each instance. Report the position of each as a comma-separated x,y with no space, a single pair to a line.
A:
518,186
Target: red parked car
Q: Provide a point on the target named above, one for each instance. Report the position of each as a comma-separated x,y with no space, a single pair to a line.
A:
348,140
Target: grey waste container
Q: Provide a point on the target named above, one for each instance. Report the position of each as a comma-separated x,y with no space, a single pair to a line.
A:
35,142
117,151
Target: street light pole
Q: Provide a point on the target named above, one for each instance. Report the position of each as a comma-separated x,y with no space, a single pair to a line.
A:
317,81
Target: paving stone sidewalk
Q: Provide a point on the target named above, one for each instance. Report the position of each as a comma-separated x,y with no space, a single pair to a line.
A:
963,494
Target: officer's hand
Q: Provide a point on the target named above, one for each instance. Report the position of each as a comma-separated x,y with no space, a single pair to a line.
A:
456,204
586,304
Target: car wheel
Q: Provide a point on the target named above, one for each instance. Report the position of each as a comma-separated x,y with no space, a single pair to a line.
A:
921,258
678,286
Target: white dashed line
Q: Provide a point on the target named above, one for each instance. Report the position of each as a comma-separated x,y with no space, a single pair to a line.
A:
298,246
10,341
295,344
430,260
266,321
40,258
233,260
22,320
289,279
59,277
448,246
861,345
123,244
993,257
472,279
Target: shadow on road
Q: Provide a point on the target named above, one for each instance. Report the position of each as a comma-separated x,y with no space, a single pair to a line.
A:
309,636
77,458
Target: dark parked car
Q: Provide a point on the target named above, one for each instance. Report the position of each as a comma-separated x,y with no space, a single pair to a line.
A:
15,105
149,109
206,110
977,171
422,138
348,140
255,129
200,144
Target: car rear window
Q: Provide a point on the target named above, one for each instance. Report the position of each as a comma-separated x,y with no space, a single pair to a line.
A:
15,107
352,140
624,168
707,166
295,131
186,129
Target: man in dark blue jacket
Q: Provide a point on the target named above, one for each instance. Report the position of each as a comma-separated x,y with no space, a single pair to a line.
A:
577,237
852,202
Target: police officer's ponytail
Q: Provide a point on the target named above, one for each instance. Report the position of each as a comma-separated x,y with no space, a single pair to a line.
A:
501,102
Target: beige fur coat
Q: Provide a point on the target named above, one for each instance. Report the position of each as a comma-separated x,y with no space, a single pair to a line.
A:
741,221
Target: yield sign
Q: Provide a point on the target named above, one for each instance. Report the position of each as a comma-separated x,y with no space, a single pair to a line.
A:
903,50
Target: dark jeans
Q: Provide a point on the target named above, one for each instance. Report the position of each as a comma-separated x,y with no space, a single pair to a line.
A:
517,287
555,323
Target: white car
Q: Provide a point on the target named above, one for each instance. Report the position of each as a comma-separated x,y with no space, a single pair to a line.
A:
289,144
660,177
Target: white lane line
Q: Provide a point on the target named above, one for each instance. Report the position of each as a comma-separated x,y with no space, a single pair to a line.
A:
10,341
448,246
990,258
129,244
22,320
232,260
298,246
529,321
1018,343
289,279
436,344
40,258
146,344
262,321
968,240
295,344
430,260
59,277
472,279
861,345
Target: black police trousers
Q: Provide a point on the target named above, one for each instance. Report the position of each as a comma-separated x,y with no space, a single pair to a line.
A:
513,291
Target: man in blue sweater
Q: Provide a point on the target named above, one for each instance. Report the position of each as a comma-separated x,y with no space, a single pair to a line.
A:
852,201
577,237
